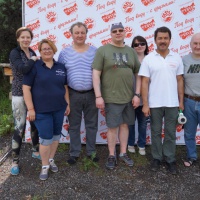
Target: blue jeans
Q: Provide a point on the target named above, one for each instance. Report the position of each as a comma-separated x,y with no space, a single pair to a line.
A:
142,127
192,113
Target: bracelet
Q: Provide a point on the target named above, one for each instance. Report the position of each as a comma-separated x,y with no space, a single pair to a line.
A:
137,95
31,109
98,97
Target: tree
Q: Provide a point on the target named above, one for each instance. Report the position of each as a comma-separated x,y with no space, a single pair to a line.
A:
10,20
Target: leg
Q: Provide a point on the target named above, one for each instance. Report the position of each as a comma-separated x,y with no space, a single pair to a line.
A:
156,130
112,139
131,137
75,118
19,114
123,137
91,122
142,127
190,128
169,143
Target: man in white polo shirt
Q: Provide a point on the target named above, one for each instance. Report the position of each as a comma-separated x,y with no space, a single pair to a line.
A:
162,94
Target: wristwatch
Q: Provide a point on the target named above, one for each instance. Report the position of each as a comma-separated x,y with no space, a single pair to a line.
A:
138,95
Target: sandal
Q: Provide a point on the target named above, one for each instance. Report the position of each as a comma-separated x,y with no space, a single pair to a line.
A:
188,162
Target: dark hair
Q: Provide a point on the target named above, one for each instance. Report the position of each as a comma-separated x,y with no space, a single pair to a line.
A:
79,24
140,39
49,42
162,29
20,30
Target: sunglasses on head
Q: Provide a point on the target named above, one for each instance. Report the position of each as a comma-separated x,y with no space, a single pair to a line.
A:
139,44
120,31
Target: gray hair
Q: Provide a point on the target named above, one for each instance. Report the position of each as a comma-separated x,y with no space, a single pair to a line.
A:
78,24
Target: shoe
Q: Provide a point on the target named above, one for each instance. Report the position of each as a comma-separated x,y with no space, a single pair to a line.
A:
131,149
53,166
142,151
155,165
44,174
189,162
72,160
171,167
14,169
126,159
94,158
37,157
111,162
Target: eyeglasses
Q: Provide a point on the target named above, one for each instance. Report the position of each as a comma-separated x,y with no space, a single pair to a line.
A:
120,31
45,50
139,44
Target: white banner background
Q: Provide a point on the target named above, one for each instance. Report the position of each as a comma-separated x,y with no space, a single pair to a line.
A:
52,19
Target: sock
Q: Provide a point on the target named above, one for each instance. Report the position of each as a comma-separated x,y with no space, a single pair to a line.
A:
121,154
45,166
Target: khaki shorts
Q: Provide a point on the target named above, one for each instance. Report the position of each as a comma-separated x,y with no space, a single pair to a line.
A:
117,114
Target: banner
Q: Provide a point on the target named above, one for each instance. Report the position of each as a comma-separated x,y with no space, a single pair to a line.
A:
52,19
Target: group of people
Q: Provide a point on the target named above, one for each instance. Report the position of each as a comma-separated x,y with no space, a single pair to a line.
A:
127,82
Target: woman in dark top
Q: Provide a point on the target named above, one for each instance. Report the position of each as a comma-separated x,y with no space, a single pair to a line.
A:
22,59
47,99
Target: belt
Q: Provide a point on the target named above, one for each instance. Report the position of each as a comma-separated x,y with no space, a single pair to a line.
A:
82,91
192,97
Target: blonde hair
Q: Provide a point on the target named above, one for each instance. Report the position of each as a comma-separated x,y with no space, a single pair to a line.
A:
22,29
49,42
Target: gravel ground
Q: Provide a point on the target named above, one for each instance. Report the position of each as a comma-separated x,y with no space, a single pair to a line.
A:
88,181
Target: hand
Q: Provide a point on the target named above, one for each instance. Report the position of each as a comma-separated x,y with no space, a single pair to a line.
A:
31,115
67,110
100,103
181,106
34,58
135,102
146,110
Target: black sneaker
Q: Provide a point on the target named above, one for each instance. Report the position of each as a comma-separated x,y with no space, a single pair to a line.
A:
171,167
72,160
111,162
94,158
155,165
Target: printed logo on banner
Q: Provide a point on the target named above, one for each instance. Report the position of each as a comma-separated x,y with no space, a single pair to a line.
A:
53,38
34,47
90,23
151,47
32,3
147,2
128,32
197,139
104,42
128,7
188,9
103,135
147,26
167,16
186,34
89,2
109,17
102,111
51,16
67,34
34,26
71,10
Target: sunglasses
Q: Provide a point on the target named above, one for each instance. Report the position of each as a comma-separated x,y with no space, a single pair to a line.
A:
139,44
120,31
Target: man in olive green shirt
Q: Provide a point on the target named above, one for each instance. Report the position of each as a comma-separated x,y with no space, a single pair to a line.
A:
113,69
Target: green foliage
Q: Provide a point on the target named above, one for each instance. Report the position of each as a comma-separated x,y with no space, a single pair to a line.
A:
88,163
10,20
6,119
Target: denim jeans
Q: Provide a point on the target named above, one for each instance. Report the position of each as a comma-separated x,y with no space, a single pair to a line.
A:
192,113
142,127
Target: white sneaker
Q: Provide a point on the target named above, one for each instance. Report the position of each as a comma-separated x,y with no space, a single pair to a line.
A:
142,151
131,149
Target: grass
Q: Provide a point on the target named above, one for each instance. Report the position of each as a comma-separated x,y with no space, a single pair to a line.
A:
6,119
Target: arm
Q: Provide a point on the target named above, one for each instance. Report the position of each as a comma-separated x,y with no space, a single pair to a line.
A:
97,88
180,91
16,60
136,99
29,102
67,100
145,91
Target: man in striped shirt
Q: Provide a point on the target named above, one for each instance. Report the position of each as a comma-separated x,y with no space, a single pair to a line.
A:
78,60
